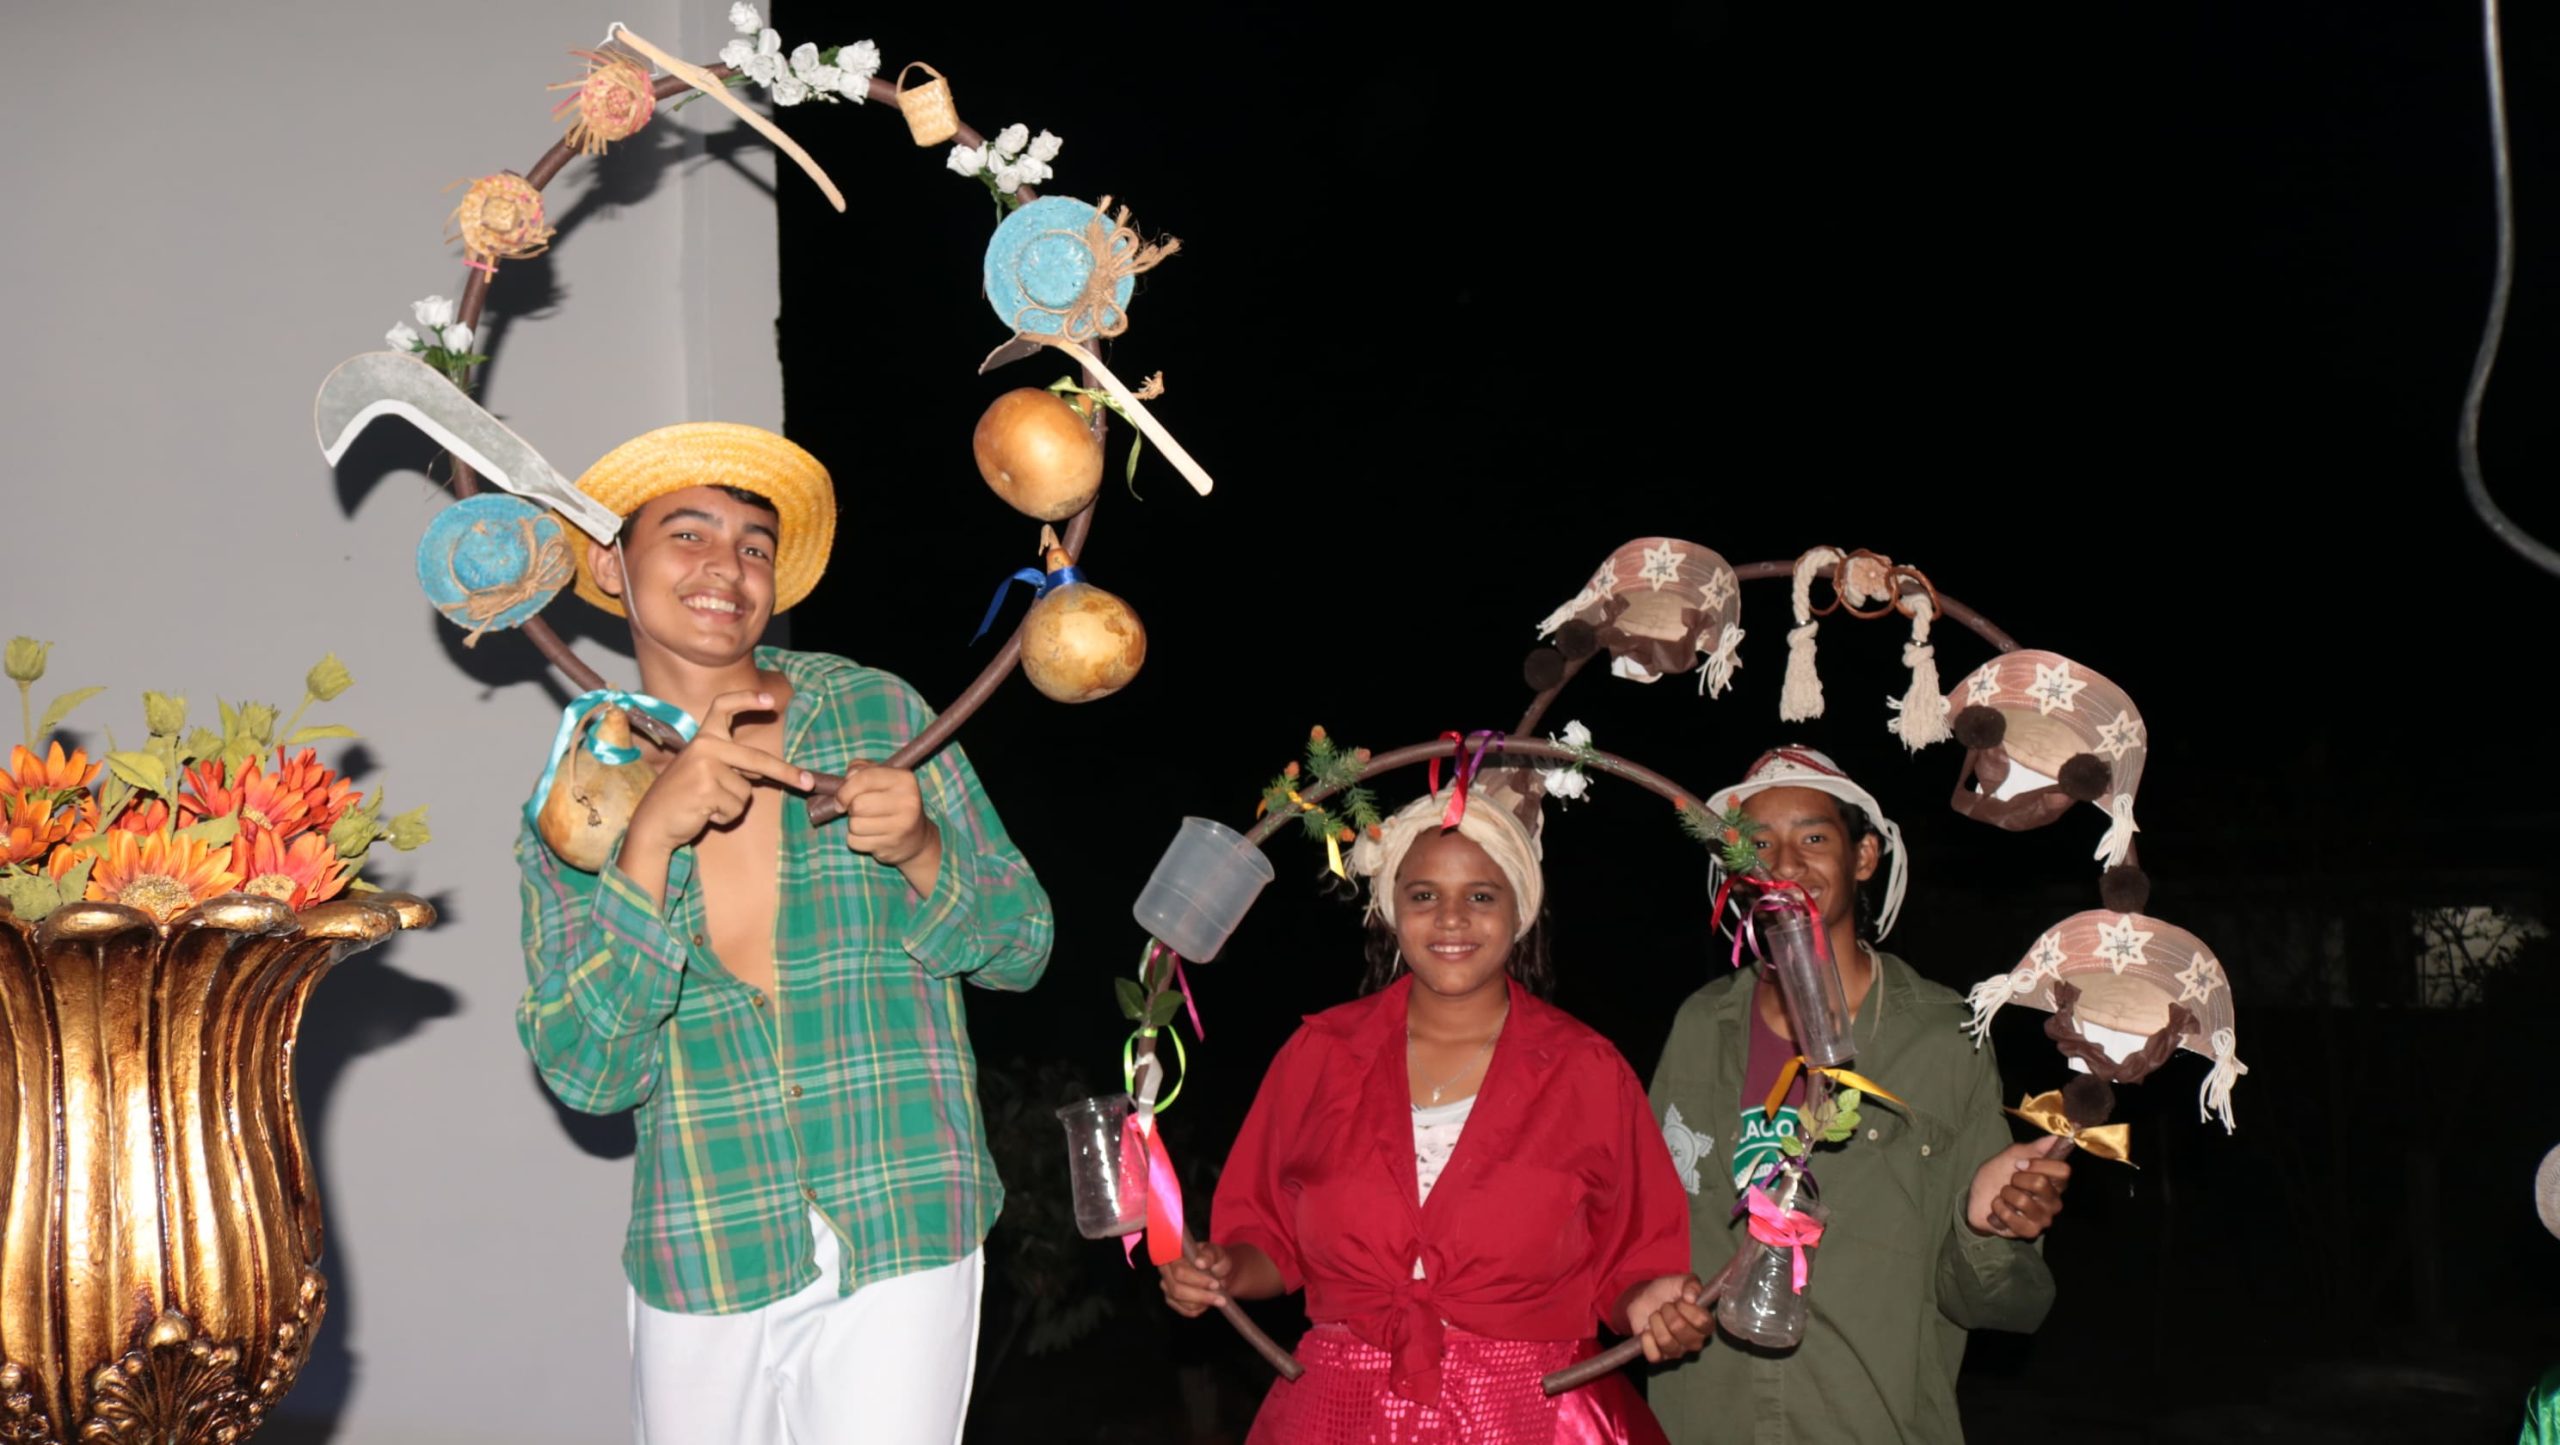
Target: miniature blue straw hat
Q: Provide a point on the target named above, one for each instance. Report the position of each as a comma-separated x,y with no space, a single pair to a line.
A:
490,562
1042,258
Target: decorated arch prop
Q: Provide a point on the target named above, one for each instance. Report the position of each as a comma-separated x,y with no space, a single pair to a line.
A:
2041,734
1059,273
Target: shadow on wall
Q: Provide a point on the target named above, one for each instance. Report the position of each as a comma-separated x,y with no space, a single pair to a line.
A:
365,1004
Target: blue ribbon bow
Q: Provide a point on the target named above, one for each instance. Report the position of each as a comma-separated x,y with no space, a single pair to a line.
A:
604,752
1041,586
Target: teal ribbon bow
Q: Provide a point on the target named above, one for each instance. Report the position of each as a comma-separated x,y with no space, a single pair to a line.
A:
604,752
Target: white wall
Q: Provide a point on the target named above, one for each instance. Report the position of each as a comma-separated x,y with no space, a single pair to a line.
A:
208,207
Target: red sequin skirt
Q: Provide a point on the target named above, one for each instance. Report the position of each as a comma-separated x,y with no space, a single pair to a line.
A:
1489,1395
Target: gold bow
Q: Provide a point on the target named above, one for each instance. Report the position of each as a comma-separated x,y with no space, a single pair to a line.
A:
2107,1141
1787,1079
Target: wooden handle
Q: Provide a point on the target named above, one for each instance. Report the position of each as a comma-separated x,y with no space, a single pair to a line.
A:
1192,471
1627,1351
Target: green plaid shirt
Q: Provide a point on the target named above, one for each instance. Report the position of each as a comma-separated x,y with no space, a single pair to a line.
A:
851,1090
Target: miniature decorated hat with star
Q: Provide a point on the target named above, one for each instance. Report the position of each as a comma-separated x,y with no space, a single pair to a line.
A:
2127,978
1659,605
2042,732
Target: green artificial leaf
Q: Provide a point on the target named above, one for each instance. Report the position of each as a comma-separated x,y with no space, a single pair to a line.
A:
319,733
214,832
201,743
140,771
1133,999
1850,1099
74,881
29,895
408,830
1791,1146
60,708
1163,1009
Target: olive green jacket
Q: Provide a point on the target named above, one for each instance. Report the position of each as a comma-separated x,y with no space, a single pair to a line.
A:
1898,1278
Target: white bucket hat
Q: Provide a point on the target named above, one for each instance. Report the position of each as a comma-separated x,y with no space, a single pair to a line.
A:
1800,767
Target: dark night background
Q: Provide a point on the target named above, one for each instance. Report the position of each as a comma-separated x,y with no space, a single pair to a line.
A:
2142,330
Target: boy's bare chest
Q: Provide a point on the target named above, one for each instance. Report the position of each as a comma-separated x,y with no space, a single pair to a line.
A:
737,874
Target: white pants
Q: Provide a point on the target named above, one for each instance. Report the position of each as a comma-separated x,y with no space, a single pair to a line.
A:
890,1364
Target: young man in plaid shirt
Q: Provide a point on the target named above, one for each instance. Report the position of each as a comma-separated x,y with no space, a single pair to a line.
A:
780,1004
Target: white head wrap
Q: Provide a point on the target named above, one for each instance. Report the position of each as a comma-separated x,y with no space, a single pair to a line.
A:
1487,823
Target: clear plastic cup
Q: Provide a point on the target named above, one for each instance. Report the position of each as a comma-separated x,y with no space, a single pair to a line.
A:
1809,981
1201,889
1107,1165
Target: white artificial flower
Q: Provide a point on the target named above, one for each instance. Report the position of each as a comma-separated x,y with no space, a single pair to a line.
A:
789,90
769,43
744,19
1031,172
764,67
822,79
457,339
1008,178
967,160
1044,147
401,337
1011,140
804,58
432,311
1576,735
734,54
855,65
1567,783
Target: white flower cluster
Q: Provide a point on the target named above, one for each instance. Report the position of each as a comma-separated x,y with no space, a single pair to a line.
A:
1014,159
442,333
843,73
1570,782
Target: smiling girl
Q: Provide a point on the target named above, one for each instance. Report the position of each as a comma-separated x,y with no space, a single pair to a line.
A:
1464,1179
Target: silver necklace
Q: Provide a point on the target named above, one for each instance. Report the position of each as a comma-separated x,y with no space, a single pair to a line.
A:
1465,1069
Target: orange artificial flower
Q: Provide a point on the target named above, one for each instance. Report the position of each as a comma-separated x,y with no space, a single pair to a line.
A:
51,773
326,797
150,817
297,874
256,797
30,826
162,876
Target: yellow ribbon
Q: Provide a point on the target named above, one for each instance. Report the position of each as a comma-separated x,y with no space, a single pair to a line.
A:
1787,1079
2107,1141
1332,840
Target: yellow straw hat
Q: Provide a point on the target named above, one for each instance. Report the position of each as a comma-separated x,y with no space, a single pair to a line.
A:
722,454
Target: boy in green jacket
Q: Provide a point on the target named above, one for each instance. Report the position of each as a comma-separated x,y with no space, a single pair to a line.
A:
1931,1206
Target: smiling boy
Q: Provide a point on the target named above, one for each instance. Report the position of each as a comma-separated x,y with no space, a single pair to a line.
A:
780,1004
1931,1206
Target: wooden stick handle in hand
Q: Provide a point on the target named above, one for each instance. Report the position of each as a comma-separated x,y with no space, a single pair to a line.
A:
1263,1345
1627,1351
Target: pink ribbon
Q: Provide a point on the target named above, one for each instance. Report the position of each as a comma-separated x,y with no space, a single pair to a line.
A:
1770,900
1465,774
1164,1196
1784,1227
1183,982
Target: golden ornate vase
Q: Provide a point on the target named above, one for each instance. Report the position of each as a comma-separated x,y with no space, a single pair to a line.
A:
160,1227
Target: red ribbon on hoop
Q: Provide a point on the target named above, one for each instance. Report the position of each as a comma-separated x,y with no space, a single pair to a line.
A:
1769,901
1465,774
1164,1195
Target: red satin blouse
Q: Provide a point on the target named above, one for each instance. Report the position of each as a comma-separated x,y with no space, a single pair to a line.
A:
1559,1197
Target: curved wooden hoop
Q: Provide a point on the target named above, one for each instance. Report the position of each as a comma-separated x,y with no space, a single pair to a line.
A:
822,804
1946,606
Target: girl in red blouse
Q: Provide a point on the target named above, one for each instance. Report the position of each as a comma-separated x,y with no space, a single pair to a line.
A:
1464,1179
